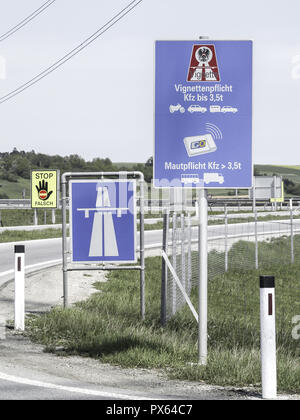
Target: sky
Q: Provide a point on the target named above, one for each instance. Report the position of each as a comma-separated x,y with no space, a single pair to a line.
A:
101,102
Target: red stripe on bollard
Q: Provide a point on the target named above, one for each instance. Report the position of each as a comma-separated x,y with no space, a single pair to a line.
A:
270,296
19,264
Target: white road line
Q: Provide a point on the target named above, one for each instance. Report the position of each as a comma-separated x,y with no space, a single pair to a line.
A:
45,263
108,395
83,391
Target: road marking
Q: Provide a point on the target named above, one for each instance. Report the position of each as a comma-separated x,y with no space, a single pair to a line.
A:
4,273
108,395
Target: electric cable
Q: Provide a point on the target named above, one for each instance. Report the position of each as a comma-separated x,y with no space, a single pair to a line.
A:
28,19
120,15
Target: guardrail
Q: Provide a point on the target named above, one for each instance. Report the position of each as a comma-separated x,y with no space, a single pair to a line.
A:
212,202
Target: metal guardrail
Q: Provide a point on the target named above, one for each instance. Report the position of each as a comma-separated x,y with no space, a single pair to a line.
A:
212,202
15,204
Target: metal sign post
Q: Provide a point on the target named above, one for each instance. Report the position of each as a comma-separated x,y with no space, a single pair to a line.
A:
202,288
102,224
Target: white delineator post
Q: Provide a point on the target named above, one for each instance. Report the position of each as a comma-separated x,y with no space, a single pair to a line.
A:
20,287
268,337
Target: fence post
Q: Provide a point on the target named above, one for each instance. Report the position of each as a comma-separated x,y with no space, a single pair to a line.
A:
292,231
183,265
197,209
19,287
53,217
35,217
268,337
226,239
174,260
164,272
189,238
256,240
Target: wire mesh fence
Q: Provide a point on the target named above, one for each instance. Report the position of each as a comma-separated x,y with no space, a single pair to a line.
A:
239,250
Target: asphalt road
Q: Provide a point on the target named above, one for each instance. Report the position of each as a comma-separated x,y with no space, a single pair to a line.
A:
29,382
26,372
40,253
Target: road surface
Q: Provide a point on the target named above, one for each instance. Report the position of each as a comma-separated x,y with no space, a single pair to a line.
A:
40,253
28,373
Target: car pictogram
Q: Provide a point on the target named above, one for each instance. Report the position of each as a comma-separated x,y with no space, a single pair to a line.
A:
196,108
229,109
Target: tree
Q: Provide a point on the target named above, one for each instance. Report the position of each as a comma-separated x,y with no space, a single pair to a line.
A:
21,167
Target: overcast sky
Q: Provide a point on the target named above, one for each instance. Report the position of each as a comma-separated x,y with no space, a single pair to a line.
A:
100,104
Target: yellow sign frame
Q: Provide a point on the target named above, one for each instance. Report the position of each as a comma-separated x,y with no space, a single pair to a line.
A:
44,188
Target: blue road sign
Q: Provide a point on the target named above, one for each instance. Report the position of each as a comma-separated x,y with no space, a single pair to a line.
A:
103,220
203,114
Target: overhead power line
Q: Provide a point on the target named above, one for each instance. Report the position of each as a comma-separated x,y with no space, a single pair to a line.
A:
132,5
28,19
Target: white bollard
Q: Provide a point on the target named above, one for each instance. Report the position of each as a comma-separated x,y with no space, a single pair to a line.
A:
20,287
268,337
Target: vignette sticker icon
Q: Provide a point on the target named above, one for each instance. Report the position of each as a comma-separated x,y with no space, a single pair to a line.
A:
203,64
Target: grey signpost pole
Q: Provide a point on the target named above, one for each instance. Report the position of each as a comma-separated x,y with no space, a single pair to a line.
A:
202,289
164,273
142,248
292,231
226,238
64,241
256,239
254,196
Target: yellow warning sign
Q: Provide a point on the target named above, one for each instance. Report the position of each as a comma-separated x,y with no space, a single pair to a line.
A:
44,189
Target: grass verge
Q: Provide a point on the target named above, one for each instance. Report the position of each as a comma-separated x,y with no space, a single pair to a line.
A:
25,217
28,235
108,327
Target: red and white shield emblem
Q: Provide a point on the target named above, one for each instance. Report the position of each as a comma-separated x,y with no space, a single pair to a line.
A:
203,64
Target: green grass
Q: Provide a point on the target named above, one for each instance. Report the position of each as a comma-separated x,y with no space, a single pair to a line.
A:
25,217
297,167
22,235
15,189
108,326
